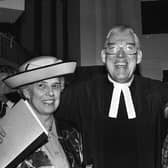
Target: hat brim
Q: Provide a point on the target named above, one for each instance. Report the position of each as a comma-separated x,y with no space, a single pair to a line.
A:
38,74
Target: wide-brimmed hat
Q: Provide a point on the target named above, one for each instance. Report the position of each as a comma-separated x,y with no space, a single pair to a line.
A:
40,68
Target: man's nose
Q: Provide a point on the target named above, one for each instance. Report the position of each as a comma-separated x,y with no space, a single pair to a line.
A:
121,53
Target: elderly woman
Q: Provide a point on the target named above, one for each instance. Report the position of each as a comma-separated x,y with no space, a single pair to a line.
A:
41,82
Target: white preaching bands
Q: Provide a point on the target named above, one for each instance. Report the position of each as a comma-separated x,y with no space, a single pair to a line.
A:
118,88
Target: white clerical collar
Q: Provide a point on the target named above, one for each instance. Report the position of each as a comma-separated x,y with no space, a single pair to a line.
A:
118,88
117,83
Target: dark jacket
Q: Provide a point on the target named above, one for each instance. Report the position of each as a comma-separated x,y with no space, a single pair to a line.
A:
120,142
71,141
14,97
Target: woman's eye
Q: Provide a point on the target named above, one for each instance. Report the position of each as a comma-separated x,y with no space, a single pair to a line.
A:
41,85
57,86
112,47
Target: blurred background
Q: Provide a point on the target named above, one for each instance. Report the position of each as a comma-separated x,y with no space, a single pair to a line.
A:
76,29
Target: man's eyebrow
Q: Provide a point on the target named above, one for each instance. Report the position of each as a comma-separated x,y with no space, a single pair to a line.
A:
131,43
111,43
114,43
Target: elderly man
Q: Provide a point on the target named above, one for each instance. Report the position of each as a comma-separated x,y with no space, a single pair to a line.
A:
41,81
119,113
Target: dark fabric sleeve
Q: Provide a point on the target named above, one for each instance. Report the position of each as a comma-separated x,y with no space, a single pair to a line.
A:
71,142
69,107
164,122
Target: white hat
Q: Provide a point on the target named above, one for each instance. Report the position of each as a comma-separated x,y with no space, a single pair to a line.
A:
39,68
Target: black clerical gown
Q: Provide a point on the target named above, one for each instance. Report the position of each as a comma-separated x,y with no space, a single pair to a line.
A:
120,142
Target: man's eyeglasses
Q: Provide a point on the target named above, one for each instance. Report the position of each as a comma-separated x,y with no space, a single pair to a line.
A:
113,49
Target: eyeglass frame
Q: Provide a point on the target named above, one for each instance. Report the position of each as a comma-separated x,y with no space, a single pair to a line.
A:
119,46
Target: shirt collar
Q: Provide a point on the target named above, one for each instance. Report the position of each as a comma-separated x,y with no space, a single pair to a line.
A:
120,84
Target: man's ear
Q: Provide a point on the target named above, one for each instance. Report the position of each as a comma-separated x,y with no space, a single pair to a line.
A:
139,56
103,56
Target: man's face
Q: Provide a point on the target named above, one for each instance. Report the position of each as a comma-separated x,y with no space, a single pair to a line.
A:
44,96
121,56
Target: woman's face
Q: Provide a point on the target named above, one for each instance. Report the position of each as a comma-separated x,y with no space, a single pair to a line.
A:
44,96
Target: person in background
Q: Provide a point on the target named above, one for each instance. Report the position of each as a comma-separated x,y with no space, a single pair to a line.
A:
164,158
41,82
119,113
8,96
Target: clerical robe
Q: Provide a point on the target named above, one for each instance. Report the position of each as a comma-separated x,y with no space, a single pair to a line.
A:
117,142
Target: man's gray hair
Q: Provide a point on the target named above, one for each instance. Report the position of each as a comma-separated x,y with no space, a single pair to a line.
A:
122,28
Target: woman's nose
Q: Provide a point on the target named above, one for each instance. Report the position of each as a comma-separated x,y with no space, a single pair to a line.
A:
50,91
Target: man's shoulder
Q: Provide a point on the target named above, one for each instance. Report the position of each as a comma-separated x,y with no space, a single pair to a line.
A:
150,84
65,125
148,80
90,82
